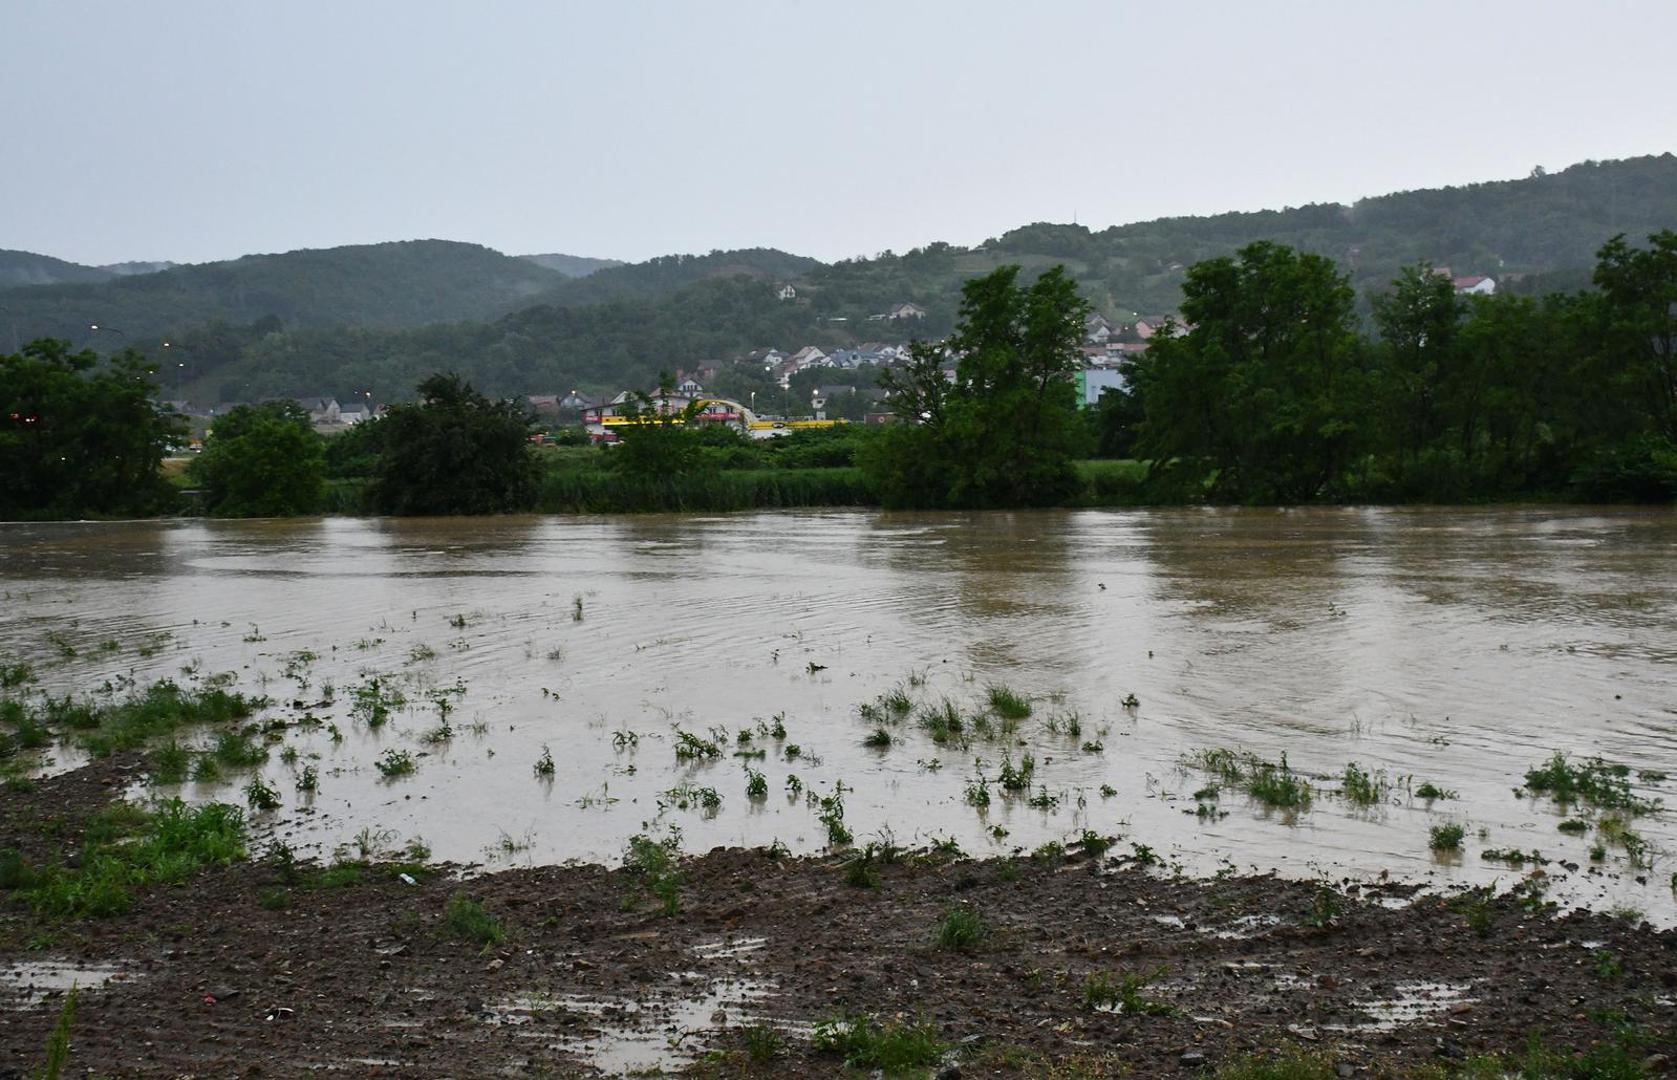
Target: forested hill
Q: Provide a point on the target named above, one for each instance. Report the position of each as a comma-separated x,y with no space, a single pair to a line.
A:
27,268
1538,225
373,285
572,266
383,316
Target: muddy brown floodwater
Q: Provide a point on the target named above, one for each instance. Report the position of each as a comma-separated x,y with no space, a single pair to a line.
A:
717,678
1457,647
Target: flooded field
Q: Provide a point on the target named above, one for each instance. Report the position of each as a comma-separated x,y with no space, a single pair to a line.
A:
530,690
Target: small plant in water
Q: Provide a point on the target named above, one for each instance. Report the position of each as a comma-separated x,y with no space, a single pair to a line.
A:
756,785
1447,837
261,796
308,779
544,766
1362,787
1007,704
1429,790
393,763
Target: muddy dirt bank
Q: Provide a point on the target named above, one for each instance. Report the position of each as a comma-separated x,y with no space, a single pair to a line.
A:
262,970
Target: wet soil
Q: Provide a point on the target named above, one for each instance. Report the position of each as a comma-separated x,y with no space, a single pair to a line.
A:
593,975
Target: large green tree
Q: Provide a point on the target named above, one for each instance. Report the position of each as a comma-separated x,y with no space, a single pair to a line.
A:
1006,431
1640,289
453,452
1260,395
262,461
80,437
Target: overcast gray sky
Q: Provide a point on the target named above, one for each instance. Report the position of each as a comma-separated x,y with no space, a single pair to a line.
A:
203,130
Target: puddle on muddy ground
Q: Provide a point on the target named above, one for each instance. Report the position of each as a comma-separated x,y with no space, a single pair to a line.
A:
1411,1002
31,984
718,679
665,1028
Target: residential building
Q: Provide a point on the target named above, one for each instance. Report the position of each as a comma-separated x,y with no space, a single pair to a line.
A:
907,311
1474,285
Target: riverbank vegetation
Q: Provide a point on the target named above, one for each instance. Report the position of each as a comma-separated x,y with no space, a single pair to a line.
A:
1268,391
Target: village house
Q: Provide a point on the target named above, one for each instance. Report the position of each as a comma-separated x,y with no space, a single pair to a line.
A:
320,410
1474,285
906,311
354,412
1096,330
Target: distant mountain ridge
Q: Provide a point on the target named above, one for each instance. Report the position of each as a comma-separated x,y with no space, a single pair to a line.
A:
25,268
572,266
384,315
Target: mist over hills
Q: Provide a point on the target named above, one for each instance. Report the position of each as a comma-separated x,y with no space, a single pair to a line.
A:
572,266
383,315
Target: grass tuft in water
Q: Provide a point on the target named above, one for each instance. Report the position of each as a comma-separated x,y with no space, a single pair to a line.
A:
1446,837
1593,781
1006,703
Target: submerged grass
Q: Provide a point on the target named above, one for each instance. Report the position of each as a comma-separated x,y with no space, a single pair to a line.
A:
1593,781
105,727
1271,783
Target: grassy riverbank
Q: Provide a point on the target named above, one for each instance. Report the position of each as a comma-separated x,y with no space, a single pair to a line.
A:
579,482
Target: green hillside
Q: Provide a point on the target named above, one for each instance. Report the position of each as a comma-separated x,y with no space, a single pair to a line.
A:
380,317
21,268
572,266
375,285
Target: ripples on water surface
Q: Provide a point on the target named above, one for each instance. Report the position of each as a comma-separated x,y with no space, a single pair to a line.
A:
1460,647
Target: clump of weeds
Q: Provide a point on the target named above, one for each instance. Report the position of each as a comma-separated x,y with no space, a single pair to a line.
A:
762,1043
1271,783
1430,791
1361,787
879,739
1324,908
892,1047
1124,993
1447,837
756,785
1007,703
544,766
861,870
373,703
1016,778
1593,781
691,747
831,817
466,919
1475,904
961,929
653,862
394,763
261,796
692,797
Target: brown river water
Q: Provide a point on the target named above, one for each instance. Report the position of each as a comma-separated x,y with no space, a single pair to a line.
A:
1460,647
